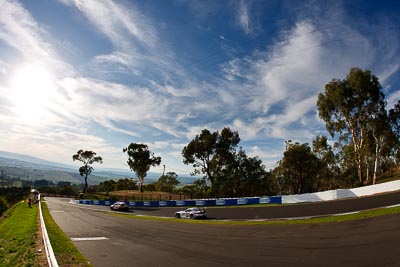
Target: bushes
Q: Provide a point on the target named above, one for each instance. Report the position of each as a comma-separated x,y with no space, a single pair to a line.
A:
3,205
11,195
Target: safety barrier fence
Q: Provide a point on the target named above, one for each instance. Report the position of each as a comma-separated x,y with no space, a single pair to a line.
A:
287,199
343,193
199,202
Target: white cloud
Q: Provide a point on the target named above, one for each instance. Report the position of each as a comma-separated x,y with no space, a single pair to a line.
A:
20,31
243,17
119,23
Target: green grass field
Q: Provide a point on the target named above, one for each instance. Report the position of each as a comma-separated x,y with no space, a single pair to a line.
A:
19,236
20,239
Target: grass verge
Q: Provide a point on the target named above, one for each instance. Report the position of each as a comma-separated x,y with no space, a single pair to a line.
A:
65,251
325,219
18,236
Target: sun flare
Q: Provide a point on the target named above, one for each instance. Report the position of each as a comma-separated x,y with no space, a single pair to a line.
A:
32,87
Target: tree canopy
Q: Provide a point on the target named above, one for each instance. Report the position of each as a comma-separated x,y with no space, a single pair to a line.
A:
348,107
209,151
140,159
87,157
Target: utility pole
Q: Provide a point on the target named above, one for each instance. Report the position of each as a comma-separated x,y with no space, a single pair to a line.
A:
163,170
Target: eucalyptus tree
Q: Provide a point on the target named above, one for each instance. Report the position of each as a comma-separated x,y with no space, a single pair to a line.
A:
210,152
298,168
87,157
140,159
348,108
394,120
328,169
243,176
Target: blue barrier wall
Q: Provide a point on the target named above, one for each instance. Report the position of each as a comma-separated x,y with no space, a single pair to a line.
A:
186,203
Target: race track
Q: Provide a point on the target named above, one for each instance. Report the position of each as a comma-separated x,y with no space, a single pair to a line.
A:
125,241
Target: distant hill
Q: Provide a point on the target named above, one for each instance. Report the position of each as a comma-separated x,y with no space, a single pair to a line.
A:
31,168
26,160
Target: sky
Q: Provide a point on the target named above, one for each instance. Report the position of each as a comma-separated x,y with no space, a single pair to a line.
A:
99,75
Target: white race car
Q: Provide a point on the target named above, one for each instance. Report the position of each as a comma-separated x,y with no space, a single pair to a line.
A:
191,213
120,206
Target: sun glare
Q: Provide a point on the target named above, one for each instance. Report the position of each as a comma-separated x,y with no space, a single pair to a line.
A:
32,86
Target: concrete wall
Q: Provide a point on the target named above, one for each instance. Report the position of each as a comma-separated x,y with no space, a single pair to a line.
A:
343,193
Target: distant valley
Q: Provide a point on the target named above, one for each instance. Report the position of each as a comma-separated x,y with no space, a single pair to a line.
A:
25,167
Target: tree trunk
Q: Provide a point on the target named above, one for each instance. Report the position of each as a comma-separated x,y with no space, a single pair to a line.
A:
141,181
359,169
86,184
377,148
359,172
357,150
375,170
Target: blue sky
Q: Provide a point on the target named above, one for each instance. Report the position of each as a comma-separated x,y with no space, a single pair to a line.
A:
99,75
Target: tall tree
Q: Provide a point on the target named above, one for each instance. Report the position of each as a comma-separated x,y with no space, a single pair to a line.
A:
348,107
140,159
243,176
87,157
209,152
327,163
394,120
299,168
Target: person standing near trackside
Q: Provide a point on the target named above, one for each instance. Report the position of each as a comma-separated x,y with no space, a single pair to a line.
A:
30,202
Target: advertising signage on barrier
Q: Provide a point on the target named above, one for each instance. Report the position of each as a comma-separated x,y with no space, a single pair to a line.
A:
199,202
208,202
190,202
242,201
220,202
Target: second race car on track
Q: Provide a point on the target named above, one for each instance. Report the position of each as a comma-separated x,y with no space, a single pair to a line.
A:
120,206
191,213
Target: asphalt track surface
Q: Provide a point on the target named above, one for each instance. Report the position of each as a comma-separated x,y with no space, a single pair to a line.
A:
133,242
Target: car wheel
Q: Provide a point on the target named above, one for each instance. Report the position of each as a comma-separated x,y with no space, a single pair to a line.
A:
191,216
177,215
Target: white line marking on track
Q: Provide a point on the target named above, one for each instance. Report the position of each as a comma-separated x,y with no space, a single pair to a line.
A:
88,238
393,206
346,213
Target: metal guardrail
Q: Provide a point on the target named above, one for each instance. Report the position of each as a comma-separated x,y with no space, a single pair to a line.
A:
51,258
